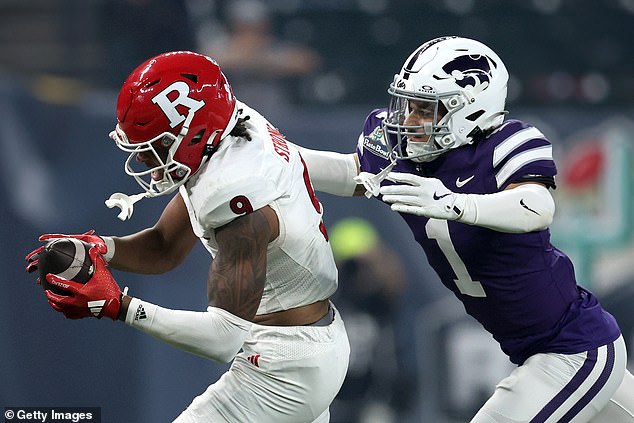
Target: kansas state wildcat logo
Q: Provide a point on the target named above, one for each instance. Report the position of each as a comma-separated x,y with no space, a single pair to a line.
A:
468,70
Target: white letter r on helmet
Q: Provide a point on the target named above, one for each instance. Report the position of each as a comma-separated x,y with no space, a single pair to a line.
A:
169,107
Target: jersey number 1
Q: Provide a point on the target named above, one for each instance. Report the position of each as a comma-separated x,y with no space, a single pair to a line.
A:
439,230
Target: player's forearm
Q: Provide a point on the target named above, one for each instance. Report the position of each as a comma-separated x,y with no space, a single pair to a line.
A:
331,172
148,252
160,248
526,208
215,333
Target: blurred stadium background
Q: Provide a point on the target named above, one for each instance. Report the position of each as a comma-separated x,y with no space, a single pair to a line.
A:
315,68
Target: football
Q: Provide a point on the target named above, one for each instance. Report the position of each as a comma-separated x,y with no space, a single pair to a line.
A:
65,257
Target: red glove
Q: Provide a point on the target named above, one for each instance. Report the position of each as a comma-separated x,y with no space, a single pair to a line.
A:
88,237
33,257
100,296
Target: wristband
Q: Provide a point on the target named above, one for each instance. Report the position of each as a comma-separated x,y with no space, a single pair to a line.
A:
109,241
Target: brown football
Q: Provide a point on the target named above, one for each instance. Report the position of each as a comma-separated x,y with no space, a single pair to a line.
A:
65,257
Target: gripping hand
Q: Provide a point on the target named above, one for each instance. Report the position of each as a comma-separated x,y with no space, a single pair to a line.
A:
422,196
100,296
33,257
32,261
88,237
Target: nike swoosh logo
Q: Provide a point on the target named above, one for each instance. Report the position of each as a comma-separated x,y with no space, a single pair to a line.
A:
460,183
438,197
523,204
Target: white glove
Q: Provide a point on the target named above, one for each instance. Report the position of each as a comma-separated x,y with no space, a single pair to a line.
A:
423,197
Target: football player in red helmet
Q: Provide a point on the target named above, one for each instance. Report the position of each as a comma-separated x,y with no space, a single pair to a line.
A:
245,192
168,132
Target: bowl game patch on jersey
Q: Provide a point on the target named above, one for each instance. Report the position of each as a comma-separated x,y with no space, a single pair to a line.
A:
375,143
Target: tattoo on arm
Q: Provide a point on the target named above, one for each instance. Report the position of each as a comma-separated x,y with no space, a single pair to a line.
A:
238,272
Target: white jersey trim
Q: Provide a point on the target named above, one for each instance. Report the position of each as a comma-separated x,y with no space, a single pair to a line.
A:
522,159
514,141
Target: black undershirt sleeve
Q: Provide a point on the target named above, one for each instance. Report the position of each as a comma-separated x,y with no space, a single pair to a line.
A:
548,181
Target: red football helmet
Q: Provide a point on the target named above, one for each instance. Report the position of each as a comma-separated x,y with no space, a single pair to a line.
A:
172,112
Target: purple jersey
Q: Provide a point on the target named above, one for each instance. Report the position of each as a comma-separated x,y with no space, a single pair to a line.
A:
518,286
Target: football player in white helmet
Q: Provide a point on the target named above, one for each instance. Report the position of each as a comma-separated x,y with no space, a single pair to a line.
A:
474,189
244,191
460,85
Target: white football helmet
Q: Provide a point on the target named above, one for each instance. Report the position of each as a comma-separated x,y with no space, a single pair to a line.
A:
462,83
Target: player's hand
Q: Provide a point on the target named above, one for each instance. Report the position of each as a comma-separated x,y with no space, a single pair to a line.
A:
88,237
422,196
100,296
33,259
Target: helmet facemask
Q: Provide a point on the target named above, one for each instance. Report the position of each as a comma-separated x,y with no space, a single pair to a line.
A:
162,149
436,127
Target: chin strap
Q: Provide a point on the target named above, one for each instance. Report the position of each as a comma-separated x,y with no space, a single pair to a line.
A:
125,203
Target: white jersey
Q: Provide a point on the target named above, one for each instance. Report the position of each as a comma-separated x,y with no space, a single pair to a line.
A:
243,176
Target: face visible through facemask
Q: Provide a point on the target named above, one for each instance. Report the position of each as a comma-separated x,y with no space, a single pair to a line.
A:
420,118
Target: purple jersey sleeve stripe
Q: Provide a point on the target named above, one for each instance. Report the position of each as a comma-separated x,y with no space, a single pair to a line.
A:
522,159
509,145
596,387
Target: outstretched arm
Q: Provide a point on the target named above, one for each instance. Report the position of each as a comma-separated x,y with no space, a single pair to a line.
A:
331,172
520,208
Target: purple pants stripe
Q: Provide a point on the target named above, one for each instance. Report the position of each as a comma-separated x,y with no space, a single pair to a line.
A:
574,384
592,392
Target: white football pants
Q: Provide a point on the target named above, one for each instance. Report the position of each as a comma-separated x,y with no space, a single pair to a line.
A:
593,386
285,374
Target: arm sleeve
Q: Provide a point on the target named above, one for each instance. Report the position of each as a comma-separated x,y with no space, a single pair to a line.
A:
215,334
525,208
331,172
